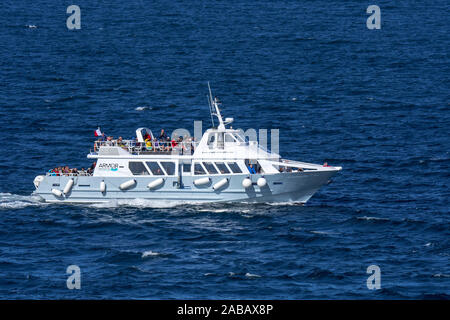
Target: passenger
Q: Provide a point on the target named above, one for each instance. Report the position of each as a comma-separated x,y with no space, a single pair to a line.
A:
120,142
167,146
148,144
109,141
82,172
66,170
90,171
251,169
75,171
181,144
192,145
156,145
163,136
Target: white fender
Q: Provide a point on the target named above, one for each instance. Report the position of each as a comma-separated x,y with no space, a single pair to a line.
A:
68,186
127,184
220,184
102,187
57,192
202,181
246,183
37,181
156,183
262,182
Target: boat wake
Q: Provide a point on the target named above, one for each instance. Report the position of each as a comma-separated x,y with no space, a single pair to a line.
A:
15,201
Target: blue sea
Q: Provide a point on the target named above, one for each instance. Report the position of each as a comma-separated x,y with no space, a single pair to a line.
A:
376,102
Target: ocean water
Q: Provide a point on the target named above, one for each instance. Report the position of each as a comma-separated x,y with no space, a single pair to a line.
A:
375,102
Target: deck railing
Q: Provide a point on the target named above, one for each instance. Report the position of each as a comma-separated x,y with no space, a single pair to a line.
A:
70,174
156,147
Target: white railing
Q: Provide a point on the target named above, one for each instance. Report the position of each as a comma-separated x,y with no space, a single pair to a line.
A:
70,174
156,146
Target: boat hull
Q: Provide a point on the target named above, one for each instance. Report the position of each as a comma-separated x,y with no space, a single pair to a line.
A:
281,187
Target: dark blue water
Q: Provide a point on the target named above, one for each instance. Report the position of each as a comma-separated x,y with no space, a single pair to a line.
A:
373,101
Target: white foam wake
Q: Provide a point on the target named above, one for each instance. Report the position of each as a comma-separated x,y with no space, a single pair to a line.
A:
15,201
143,203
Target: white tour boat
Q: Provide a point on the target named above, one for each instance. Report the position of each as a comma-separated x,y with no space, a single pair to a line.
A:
222,167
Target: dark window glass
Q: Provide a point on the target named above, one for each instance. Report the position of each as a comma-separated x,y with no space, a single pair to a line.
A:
198,169
155,168
169,167
234,167
210,167
222,167
186,167
137,168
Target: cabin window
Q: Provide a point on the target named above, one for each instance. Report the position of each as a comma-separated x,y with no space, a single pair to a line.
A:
198,169
210,167
155,168
186,167
169,167
222,167
137,168
239,138
229,138
234,167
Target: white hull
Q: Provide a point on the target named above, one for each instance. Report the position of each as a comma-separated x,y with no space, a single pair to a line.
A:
281,187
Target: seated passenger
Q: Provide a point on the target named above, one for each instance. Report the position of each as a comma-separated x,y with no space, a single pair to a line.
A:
120,143
90,171
251,169
66,170
148,144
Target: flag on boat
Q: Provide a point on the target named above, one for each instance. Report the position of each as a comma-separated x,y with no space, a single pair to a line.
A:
98,133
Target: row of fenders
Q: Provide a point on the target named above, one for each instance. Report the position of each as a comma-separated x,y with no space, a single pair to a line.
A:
246,183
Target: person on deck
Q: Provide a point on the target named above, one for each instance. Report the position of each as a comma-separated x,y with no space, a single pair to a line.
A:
163,136
251,169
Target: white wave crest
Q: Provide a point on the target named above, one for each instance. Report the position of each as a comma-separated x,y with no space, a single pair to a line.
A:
142,108
150,253
251,275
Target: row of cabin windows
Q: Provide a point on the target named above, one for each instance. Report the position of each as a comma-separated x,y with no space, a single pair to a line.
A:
138,168
222,168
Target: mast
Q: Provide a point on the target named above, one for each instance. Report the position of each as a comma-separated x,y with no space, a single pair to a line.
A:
214,103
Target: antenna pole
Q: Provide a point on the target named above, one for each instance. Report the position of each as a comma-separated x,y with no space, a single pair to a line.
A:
214,104
210,110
